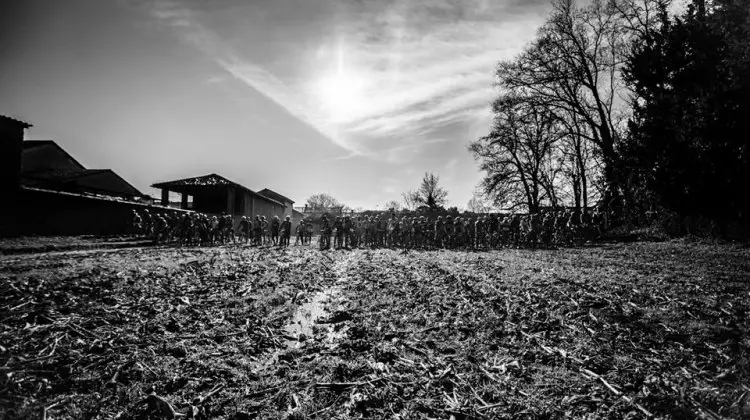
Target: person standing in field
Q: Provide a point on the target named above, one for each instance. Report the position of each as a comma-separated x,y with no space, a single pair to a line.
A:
476,232
338,229
244,230
264,229
216,228
136,223
417,232
325,233
380,226
515,230
347,231
438,232
459,231
229,228
147,224
285,231
300,233
308,231
275,225
359,226
257,231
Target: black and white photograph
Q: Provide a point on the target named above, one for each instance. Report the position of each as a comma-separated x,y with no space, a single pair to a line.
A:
374,209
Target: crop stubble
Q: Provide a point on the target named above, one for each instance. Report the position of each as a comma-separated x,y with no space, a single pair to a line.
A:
614,331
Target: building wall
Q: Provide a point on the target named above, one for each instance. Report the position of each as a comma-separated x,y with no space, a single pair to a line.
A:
266,208
51,213
11,137
211,201
296,217
237,202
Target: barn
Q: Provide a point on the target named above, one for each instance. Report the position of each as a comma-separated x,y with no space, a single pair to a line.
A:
50,193
46,165
288,204
215,194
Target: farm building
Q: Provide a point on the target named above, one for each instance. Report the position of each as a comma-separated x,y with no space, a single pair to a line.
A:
288,204
216,195
273,195
44,164
297,216
51,193
11,138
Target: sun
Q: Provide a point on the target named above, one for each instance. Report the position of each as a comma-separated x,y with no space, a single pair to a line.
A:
341,95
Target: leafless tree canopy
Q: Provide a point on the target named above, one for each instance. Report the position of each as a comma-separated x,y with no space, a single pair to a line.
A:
393,204
429,193
517,155
323,201
569,78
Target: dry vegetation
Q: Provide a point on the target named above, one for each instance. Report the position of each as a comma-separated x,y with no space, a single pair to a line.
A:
613,331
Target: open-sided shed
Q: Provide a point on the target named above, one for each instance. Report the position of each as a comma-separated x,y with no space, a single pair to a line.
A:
215,194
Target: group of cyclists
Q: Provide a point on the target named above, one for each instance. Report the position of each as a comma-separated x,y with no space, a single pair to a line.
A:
491,231
550,228
200,229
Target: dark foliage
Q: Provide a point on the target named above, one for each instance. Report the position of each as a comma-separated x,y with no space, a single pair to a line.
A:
688,142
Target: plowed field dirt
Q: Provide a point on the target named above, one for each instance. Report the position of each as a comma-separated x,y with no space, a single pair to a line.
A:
638,330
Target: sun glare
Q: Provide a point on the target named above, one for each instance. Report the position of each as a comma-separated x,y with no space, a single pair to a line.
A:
341,95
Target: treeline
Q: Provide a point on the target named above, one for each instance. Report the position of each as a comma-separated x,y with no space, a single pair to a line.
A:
639,107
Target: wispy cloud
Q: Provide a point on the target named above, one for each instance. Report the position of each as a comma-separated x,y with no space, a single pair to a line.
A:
395,71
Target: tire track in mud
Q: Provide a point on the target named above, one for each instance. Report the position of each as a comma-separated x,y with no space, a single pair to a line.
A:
311,327
315,315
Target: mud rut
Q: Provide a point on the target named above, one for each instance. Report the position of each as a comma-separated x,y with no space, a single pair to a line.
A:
314,321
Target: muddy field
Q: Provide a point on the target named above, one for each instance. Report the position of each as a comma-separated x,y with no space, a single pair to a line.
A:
612,331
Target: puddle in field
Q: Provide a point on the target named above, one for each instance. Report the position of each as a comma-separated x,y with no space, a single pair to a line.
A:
313,318
308,314
316,320
319,315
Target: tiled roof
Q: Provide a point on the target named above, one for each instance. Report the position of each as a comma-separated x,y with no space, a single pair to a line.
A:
199,181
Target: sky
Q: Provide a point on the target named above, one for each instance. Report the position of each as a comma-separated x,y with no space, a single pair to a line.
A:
355,98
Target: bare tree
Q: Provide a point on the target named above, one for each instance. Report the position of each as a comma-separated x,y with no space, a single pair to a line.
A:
515,156
574,67
579,162
410,200
478,204
430,193
323,201
393,205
